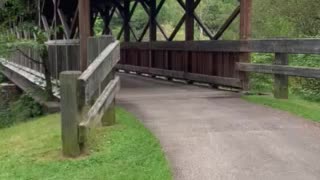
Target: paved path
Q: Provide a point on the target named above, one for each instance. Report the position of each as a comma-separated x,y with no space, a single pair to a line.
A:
209,134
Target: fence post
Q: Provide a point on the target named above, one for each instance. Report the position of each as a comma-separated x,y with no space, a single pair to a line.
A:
70,115
281,81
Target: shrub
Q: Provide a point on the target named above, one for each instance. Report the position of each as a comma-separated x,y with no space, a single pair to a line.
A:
261,82
306,88
24,109
2,78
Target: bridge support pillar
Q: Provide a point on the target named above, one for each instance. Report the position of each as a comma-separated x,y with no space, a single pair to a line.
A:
84,31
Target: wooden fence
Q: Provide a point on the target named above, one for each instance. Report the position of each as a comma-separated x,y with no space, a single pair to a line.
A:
217,62
87,99
280,67
64,55
18,58
182,60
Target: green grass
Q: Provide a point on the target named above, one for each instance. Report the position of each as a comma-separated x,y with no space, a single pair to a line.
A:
124,151
294,105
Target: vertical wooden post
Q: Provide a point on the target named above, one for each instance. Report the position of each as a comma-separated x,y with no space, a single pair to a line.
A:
152,21
281,81
245,33
84,29
189,34
126,19
70,116
189,29
152,29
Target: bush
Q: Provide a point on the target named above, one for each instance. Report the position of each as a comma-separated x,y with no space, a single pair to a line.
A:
24,109
2,78
306,88
261,82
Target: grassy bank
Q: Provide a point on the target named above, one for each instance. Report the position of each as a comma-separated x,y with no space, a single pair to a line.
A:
124,151
294,105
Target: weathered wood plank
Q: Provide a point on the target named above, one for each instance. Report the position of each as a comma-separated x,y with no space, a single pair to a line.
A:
104,41
102,104
280,70
281,82
63,42
292,46
99,69
70,115
93,49
96,45
231,82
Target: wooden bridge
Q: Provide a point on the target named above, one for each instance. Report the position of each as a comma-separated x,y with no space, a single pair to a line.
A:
87,96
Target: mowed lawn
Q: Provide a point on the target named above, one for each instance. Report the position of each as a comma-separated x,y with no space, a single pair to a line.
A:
294,105
125,151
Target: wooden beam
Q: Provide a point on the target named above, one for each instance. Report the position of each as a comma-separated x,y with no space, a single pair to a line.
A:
107,17
298,46
230,82
245,19
196,17
102,104
84,29
70,116
65,25
245,32
131,13
189,24
228,22
281,82
152,20
45,23
280,70
177,28
99,70
126,21
75,23
145,7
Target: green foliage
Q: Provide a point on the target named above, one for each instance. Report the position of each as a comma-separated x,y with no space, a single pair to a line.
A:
14,12
19,111
306,88
126,150
2,78
286,18
261,82
294,105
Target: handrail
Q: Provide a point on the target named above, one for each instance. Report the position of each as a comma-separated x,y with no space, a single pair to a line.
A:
291,46
99,69
87,99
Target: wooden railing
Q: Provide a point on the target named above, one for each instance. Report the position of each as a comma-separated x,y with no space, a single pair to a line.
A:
280,67
21,58
213,62
88,99
191,61
64,54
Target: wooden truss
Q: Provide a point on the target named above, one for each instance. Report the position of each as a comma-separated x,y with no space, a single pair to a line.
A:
77,19
55,13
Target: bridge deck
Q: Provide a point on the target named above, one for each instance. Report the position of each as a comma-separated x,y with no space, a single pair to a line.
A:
210,134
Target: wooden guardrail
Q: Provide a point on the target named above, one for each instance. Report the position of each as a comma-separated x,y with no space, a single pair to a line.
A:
88,99
280,67
217,62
